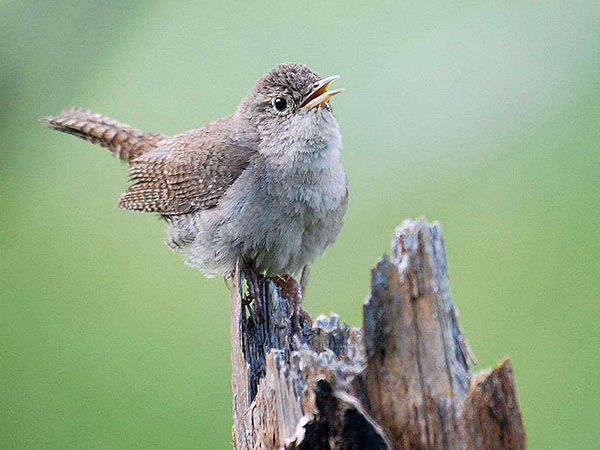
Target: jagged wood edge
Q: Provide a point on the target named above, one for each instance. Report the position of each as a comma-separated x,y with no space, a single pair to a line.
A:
286,408
331,353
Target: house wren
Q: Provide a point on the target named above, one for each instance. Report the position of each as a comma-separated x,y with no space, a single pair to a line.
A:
265,184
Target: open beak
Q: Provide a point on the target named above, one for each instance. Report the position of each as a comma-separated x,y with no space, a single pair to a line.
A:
319,95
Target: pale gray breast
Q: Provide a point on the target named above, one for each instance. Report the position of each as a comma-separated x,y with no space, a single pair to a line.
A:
299,214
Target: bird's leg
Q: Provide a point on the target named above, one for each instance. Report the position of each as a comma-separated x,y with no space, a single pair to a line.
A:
293,292
251,280
304,278
254,288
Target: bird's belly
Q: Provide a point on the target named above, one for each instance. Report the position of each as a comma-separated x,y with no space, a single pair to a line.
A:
293,241
279,229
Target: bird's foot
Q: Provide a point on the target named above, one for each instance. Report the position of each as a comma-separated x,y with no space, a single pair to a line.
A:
293,292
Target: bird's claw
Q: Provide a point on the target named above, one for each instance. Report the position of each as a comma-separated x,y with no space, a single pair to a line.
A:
293,292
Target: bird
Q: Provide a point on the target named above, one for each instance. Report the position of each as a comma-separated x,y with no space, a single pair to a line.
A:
264,186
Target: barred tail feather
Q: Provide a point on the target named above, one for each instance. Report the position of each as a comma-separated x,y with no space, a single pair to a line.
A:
126,142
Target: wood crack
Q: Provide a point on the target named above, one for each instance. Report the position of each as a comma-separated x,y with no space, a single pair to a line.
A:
420,370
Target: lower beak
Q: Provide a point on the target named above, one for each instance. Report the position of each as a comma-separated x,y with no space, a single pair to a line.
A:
319,95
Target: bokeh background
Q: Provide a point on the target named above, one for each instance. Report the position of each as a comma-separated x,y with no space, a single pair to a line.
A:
483,115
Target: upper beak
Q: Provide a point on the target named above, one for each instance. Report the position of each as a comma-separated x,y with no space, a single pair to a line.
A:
319,95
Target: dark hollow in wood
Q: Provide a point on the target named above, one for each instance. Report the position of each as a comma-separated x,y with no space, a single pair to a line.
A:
402,381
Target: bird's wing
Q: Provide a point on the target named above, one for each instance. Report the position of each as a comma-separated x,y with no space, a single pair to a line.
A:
190,172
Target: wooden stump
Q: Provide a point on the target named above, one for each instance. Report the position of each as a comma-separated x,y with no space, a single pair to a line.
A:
402,381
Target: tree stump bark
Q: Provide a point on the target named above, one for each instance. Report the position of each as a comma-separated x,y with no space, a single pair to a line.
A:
402,381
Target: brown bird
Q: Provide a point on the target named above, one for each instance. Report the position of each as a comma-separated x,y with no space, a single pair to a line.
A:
264,185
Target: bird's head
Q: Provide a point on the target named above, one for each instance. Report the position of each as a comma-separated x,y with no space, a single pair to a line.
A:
287,113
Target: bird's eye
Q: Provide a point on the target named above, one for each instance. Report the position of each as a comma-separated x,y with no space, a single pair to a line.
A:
280,103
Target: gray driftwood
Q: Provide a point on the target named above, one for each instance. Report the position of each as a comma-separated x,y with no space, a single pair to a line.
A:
402,381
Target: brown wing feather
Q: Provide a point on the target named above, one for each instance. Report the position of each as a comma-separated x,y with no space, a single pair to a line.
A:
189,172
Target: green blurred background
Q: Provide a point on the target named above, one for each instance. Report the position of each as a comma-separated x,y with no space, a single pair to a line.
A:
483,115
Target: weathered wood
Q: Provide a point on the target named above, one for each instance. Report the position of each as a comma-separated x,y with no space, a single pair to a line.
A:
401,381
276,373
418,361
492,419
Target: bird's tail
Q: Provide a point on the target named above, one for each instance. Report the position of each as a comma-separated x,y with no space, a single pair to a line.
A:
127,143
